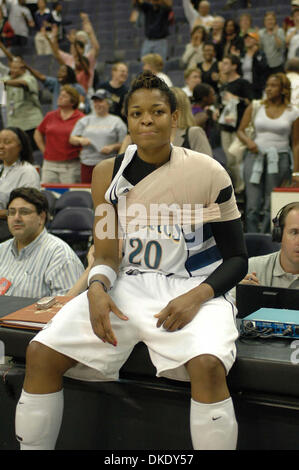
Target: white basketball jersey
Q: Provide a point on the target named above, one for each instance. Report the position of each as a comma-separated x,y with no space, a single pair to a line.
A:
179,249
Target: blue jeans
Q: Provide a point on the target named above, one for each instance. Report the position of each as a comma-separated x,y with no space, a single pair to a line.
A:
258,196
155,46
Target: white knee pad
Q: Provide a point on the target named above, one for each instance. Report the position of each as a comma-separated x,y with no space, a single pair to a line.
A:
38,420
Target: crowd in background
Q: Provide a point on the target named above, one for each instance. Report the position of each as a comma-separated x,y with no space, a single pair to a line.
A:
227,66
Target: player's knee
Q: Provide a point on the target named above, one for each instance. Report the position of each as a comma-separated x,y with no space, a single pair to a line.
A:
41,359
206,367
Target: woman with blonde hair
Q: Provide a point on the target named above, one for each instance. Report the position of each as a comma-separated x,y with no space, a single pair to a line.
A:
272,153
187,134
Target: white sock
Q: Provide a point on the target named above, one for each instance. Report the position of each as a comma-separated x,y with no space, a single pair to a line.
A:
213,425
38,420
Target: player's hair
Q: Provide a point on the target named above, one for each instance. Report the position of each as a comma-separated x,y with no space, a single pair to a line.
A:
33,196
149,81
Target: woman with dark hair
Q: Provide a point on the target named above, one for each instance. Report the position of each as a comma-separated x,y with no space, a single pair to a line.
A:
16,169
193,50
65,76
231,42
209,66
167,289
270,157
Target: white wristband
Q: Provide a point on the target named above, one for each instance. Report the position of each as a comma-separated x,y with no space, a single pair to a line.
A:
105,270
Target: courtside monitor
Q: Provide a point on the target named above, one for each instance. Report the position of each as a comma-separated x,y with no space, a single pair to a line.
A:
250,298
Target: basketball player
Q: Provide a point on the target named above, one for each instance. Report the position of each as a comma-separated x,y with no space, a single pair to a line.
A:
168,291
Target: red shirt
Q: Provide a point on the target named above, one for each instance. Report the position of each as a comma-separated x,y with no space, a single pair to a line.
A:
57,132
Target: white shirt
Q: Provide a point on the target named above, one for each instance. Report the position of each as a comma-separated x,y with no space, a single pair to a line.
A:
294,79
14,176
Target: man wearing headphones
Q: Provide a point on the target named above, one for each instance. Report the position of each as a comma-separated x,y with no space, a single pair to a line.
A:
279,269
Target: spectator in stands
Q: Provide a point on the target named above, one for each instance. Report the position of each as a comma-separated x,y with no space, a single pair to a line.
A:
201,16
23,108
215,35
117,87
292,72
193,53
156,26
192,78
32,6
36,263
288,22
187,134
61,159
281,268
209,66
231,42
205,113
6,31
235,94
43,22
100,134
21,20
254,64
268,161
245,24
292,37
16,169
83,63
272,41
57,19
154,63
65,76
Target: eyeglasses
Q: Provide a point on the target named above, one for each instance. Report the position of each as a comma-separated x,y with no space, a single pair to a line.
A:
22,211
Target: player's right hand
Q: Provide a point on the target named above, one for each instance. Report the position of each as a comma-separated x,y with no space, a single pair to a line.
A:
100,307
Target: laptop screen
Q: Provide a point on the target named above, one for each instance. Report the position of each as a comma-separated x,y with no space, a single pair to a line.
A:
250,298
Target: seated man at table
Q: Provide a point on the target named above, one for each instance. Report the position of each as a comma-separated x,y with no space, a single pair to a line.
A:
35,263
279,269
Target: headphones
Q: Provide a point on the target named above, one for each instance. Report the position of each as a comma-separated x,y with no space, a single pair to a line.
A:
278,221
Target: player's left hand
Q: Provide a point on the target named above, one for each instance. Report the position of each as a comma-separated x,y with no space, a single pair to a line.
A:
179,312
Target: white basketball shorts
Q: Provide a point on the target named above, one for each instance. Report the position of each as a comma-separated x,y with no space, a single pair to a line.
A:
212,331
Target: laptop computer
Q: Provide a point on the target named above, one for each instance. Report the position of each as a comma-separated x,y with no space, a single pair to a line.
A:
250,298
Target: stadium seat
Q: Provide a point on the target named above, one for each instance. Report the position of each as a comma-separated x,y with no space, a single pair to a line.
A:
74,199
74,225
51,201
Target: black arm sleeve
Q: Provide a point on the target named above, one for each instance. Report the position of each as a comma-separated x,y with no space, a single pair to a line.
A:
231,244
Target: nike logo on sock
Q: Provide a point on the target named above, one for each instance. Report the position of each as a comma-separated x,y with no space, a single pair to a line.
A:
217,417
